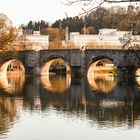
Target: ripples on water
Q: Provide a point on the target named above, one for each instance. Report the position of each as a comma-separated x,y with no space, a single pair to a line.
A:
67,107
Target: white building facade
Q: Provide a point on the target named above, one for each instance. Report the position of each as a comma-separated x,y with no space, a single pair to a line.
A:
38,41
105,37
34,41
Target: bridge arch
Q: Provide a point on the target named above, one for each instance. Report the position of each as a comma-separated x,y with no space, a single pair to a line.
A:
101,61
95,59
12,75
55,63
101,57
13,64
101,73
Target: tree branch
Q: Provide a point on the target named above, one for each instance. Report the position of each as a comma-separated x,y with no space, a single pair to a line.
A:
117,1
91,9
96,2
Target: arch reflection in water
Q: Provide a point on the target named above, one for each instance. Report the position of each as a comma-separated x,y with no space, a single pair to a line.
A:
137,74
101,76
55,75
12,75
56,83
138,82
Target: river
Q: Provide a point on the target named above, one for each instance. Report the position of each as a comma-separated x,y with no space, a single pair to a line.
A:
57,107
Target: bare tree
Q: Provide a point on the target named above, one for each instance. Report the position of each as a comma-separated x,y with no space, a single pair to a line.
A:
90,5
115,1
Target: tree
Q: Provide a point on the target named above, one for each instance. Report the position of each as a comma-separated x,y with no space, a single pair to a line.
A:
88,30
35,26
7,33
54,33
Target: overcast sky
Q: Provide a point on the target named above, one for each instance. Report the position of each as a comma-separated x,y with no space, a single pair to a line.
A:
22,11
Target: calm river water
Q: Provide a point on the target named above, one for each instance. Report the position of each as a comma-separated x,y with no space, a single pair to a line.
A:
61,108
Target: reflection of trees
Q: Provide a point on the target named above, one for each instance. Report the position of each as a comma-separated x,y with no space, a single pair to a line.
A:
115,109
112,112
31,94
8,113
107,112
118,108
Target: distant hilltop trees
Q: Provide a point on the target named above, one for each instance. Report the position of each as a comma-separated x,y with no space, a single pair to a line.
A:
120,18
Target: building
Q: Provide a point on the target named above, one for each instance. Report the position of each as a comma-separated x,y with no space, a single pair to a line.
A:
37,41
34,41
105,38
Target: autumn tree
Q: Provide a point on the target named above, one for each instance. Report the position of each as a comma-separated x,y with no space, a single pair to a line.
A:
88,30
7,33
54,33
56,44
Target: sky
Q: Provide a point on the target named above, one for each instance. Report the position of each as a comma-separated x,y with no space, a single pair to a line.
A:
23,11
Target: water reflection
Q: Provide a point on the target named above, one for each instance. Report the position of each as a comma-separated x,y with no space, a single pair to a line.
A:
13,82
8,113
120,108
56,83
138,81
12,76
102,82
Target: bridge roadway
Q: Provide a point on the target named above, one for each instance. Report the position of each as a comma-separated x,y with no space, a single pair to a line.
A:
79,61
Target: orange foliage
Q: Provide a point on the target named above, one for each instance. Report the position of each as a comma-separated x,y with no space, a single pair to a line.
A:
54,33
56,44
88,30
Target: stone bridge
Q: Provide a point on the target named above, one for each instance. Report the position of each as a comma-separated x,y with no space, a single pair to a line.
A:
79,61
